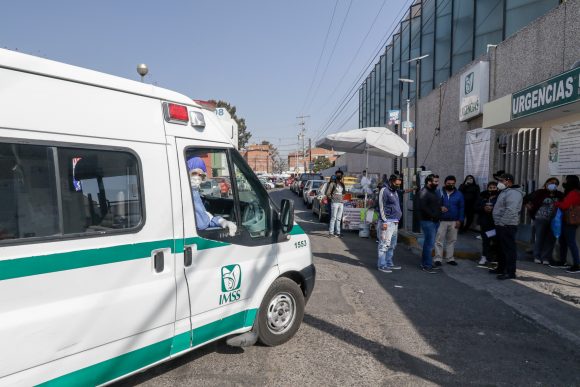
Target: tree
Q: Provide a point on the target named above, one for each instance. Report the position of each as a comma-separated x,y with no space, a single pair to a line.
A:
244,134
321,164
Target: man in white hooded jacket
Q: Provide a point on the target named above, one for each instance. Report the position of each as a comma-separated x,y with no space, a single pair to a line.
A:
506,216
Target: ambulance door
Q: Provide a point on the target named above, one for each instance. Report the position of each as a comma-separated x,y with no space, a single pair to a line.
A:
222,268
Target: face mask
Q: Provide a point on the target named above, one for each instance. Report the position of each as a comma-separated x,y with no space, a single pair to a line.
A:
195,181
469,181
552,187
449,187
492,191
501,186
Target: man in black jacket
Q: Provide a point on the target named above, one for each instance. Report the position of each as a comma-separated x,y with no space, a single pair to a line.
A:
430,211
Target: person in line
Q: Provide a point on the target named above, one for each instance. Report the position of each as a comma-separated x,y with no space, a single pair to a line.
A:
484,209
388,223
568,237
452,217
470,190
334,193
430,212
506,216
541,208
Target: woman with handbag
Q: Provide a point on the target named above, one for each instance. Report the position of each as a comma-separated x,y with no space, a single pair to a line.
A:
571,209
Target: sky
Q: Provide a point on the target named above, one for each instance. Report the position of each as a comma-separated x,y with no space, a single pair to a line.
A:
273,60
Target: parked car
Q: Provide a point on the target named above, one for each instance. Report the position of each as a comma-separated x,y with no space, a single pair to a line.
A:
320,204
266,183
288,182
304,178
279,183
209,187
294,186
309,191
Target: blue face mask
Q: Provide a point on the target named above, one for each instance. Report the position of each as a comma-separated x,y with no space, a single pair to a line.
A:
552,187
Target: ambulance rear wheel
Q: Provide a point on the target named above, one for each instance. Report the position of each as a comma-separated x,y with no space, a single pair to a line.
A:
281,312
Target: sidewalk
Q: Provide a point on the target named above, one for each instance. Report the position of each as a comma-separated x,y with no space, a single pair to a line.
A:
548,296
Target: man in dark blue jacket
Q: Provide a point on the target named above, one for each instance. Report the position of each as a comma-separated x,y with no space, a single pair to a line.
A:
452,216
387,226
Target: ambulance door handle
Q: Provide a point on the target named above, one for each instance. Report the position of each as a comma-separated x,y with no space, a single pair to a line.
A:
187,256
159,261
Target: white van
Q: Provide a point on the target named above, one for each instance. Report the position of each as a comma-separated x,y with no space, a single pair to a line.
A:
103,271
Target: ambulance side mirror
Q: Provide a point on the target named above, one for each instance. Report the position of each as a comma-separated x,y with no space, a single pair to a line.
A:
287,215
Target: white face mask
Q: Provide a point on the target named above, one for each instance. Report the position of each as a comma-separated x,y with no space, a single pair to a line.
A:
501,186
195,181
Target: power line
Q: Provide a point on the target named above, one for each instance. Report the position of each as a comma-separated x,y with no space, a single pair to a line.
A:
348,97
320,57
331,53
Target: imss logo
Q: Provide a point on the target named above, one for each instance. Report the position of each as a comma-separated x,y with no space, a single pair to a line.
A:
231,282
468,86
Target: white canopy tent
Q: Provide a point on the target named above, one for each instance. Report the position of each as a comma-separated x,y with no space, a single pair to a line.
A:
377,141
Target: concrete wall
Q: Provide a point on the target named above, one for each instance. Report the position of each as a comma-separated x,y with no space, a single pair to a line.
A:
544,48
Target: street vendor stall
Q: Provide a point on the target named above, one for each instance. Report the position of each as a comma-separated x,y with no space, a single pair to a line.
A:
377,141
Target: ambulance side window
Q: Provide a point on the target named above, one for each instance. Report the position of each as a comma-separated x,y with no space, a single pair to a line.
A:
58,192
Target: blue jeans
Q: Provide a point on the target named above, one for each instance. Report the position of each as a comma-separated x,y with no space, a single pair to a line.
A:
429,229
568,239
335,218
387,250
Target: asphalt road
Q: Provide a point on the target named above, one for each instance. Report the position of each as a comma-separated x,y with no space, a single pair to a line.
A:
367,328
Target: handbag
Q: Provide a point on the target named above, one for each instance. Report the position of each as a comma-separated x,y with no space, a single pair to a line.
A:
572,216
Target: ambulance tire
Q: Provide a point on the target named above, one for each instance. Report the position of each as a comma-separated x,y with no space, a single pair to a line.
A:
281,312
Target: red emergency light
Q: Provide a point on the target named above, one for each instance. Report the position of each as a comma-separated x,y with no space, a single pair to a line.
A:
176,113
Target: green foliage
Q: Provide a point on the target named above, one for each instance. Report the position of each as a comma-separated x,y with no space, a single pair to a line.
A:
321,163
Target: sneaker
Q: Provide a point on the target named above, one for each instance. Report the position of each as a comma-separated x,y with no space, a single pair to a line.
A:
573,269
482,261
437,263
559,266
429,270
452,263
545,263
339,235
385,269
336,235
394,267
536,260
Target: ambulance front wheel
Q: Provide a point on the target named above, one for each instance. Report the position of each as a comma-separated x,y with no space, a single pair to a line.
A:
281,312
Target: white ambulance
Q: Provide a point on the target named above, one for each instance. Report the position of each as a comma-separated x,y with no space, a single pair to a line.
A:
131,230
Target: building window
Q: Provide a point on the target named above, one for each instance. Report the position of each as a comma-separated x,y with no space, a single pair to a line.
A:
383,65
427,45
396,70
372,99
462,52
377,93
488,24
405,52
442,40
389,79
519,154
415,45
519,13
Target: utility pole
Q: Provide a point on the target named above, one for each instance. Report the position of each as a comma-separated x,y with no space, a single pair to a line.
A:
309,154
302,124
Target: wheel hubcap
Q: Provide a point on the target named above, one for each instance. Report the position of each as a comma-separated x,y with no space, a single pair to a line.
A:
281,313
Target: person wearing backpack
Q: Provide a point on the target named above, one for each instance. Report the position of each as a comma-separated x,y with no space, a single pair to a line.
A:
570,205
335,192
541,208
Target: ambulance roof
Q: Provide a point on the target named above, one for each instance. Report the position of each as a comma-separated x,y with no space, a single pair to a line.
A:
32,64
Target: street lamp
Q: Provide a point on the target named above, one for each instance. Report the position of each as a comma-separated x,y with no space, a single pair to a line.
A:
417,60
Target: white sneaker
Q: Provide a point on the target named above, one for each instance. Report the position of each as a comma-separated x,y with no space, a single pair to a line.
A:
536,260
482,261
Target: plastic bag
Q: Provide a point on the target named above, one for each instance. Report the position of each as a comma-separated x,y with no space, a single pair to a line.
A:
557,224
